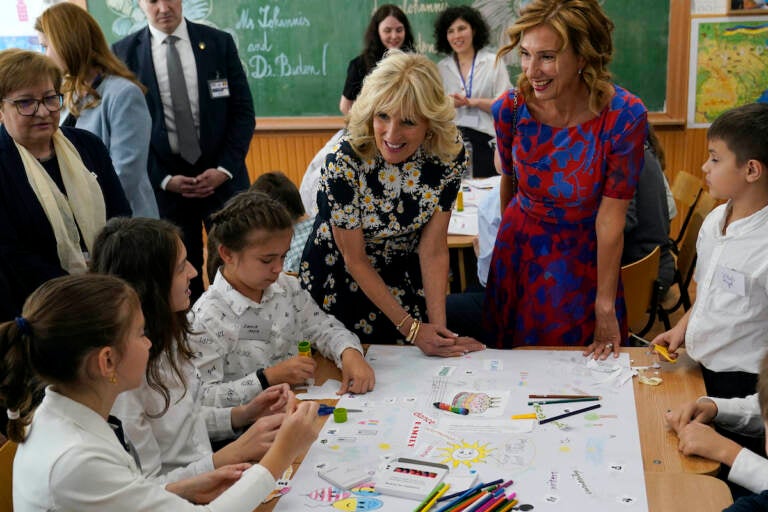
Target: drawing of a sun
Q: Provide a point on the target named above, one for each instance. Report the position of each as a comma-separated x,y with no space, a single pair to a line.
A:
465,453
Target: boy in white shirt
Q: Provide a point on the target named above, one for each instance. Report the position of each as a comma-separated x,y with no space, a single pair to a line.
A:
748,416
726,329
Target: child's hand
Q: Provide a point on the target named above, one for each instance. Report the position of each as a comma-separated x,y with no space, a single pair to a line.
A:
356,374
296,370
272,400
672,339
297,433
703,411
208,486
699,439
254,443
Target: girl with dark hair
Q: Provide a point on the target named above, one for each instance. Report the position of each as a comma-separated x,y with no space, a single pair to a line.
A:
84,337
252,234
164,417
473,78
389,29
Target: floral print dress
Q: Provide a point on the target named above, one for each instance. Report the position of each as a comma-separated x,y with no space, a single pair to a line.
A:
543,275
391,203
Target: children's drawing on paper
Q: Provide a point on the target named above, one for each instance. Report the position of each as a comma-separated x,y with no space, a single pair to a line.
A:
456,454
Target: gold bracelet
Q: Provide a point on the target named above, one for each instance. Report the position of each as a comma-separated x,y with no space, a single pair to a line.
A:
416,334
413,330
401,322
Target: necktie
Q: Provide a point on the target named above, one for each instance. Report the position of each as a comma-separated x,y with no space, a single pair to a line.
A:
189,147
117,428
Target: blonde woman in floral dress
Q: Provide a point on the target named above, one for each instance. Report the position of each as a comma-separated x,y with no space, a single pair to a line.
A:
378,256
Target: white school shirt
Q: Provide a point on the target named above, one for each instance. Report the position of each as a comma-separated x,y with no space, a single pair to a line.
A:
489,81
488,220
175,445
72,460
727,327
234,336
742,415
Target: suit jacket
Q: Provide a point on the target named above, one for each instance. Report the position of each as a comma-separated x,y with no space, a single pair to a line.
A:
28,255
226,124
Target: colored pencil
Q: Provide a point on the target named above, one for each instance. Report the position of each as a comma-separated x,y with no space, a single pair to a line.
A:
475,505
490,504
564,401
567,414
565,396
429,497
462,496
469,501
509,506
431,502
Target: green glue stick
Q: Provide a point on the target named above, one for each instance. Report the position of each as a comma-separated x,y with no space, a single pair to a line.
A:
305,350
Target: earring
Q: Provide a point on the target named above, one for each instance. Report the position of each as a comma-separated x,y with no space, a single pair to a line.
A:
429,135
579,71
113,378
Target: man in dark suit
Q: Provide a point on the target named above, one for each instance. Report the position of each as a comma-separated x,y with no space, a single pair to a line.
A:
201,125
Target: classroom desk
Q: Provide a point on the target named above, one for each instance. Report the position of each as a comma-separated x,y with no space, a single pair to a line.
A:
673,481
460,242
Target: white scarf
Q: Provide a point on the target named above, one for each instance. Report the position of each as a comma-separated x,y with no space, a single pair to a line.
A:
83,204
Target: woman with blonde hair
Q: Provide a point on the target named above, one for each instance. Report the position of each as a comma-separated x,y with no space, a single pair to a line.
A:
378,256
573,142
101,95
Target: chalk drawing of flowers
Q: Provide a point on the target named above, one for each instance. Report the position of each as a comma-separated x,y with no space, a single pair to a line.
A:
131,18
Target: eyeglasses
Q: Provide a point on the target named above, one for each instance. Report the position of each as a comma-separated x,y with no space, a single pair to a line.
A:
29,106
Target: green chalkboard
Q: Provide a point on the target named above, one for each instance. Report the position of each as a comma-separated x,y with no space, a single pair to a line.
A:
295,52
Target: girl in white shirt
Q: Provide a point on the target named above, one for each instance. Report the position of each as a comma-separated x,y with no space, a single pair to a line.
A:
248,324
84,336
163,417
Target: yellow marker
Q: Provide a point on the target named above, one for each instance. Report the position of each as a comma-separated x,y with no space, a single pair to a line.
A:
531,416
460,201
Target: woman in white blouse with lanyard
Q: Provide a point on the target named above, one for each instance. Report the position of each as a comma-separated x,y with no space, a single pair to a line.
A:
473,78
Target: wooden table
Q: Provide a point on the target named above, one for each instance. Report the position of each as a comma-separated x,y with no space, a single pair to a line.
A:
460,242
673,481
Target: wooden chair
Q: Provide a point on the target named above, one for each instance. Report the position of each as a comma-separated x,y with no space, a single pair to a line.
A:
686,189
7,452
686,255
641,292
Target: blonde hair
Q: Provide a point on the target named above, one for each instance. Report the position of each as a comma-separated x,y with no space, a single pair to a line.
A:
77,38
583,26
409,85
23,68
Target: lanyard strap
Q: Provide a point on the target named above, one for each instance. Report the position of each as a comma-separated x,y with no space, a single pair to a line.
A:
467,90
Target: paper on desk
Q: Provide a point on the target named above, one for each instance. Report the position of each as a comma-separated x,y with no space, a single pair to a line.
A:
483,183
463,223
326,391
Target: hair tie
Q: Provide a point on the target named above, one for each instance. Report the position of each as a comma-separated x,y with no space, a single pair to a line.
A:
13,414
23,325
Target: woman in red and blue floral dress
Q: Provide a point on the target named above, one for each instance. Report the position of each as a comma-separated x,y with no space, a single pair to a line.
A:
571,146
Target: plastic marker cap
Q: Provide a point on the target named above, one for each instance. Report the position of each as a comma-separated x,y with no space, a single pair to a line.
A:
340,415
305,349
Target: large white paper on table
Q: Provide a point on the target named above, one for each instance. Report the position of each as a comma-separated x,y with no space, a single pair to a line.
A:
588,462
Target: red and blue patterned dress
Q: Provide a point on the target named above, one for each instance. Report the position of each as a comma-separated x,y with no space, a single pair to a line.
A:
543,276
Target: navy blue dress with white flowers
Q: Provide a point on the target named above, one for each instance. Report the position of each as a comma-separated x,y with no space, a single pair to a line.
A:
391,203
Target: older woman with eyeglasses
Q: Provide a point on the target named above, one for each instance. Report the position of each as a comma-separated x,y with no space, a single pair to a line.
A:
57,185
